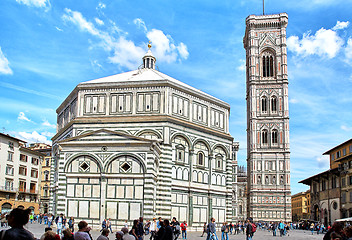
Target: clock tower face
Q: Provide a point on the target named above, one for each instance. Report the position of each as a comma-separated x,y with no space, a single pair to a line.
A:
268,150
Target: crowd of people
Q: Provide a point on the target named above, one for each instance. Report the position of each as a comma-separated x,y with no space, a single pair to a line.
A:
156,229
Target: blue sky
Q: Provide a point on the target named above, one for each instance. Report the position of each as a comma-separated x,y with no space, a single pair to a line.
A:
47,47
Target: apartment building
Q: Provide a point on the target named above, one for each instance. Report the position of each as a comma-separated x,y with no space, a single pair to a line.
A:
45,174
20,169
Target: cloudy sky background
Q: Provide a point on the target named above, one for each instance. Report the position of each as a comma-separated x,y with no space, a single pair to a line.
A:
47,47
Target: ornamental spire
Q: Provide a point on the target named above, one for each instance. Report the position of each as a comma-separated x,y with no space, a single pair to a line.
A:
148,59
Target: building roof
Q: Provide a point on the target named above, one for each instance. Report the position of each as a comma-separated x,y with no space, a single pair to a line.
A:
308,180
334,148
13,138
143,75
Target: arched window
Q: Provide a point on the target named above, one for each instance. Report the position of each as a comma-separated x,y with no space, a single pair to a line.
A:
281,180
268,64
200,158
180,153
259,179
274,180
274,139
265,136
46,175
266,180
273,104
240,209
264,105
218,161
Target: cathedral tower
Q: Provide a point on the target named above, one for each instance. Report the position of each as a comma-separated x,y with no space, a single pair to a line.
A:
268,154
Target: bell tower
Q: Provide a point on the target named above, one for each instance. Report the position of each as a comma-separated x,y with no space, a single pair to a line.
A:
268,148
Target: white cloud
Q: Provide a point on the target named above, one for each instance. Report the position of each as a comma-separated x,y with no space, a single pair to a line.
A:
47,124
324,43
323,161
59,29
96,65
125,52
293,100
242,66
101,6
163,46
36,3
341,25
22,116
77,18
140,23
348,50
99,21
4,64
346,128
33,137
182,50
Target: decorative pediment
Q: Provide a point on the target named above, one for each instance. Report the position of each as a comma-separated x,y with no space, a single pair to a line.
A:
267,40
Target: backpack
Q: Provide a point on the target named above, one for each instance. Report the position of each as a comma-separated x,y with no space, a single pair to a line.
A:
177,228
254,227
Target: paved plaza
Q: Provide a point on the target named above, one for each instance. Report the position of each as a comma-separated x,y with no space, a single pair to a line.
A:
38,230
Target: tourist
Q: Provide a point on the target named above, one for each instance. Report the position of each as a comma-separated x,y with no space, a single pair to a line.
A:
31,218
176,228
282,228
249,229
167,235
204,229
126,235
153,229
184,230
59,220
83,231
16,220
159,224
133,231
140,229
104,234
45,219
348,232
212,230
108,224
103,225
160,231
67,234
230,227
337,228
71,224
119,235
50,235
224,231
273,227
147,227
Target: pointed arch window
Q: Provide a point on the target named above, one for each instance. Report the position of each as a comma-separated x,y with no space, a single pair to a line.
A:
264,102
259,179
200,158
273,104
218,161
274,139
265,136
268,64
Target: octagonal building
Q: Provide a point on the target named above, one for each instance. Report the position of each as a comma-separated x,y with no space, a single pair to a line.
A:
142,143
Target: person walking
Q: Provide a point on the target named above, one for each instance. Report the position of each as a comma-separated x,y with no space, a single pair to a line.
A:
134,228
71,224
103,225
31,218
108,224
224,231
59,223
212,230
249,230
176,229
140,229
204,229
184,229
282,228
152,229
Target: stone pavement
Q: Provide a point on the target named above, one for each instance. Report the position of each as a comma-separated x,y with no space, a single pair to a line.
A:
38,230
